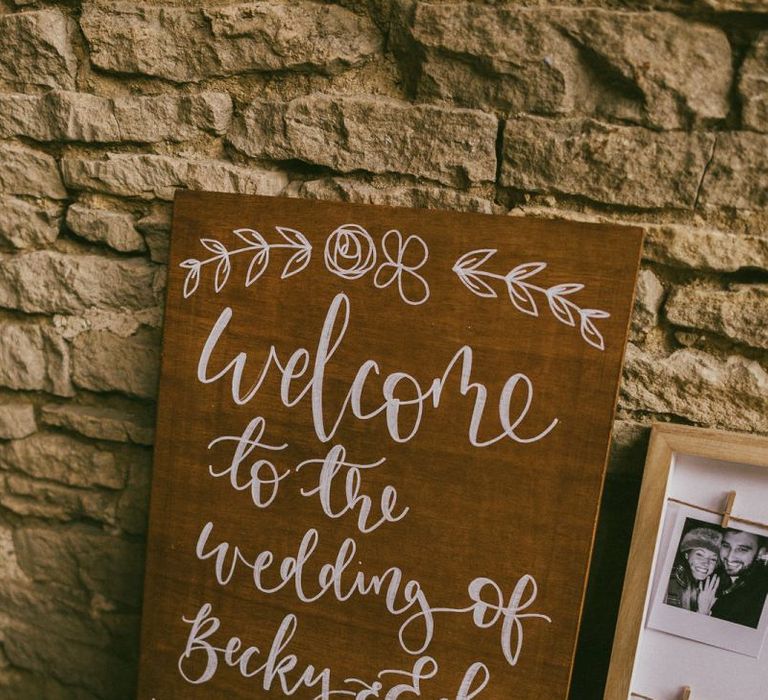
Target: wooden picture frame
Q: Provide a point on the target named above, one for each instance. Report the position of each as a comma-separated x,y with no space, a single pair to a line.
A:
667,445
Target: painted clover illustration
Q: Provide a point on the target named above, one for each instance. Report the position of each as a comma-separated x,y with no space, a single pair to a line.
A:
403,258
523,293
255,244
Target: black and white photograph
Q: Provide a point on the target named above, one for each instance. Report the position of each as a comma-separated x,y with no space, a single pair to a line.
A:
713,586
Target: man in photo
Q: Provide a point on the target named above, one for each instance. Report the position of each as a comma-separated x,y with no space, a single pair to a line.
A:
744,578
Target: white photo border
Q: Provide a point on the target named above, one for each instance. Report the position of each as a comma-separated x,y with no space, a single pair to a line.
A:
690,625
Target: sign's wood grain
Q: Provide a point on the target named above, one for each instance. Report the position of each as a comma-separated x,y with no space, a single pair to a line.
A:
462,396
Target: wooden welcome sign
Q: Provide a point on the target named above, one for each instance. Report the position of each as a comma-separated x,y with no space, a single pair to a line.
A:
380,450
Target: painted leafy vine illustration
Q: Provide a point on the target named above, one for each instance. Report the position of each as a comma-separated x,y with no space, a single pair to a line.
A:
523,293
255,245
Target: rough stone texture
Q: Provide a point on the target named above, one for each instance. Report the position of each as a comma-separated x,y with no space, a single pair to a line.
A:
648,297
189,44
106,565
28,224
154,176
705,249
612,164
103,361
60,458
629,441
50,282
564,61
611,111
730,313
114,229
121,323
17,420
133,506
41,499
33,359
100,422
699,387
156,227
26,171
419,197
82,670
76,116
453,146
753,86
737,175
36,49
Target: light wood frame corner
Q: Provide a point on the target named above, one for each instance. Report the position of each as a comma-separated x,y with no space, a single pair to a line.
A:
666,440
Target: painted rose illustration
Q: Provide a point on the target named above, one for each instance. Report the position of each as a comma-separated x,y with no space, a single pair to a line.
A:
350,252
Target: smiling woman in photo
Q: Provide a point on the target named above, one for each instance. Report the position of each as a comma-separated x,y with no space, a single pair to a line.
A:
693,582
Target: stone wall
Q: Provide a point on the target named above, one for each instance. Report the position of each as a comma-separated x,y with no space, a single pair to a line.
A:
654,113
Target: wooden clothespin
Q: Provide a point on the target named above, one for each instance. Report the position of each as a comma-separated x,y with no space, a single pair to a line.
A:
686,692
730,498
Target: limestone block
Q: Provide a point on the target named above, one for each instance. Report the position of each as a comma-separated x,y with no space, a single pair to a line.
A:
80,555
380,135
101,422
50,282
26,224
394,195
737,175
112,228
133,507
172,117
753,85
17,420
677,70
607,163
187,44
103,361
67,669
36,48
26,171
61,115
740,314
41,499
648,298
157,177
156,227
29,362
691,384
58,115
61,458
33,359
650,67
121,323
705,249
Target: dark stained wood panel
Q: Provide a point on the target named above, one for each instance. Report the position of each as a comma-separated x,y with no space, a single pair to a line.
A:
461,369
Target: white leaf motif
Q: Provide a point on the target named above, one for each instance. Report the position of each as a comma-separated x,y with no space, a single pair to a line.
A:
588,330
250,236
191,281
522,298
222,274
473,259
525,271
477,285
294,237
297,262
214,246
257,266
561,309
